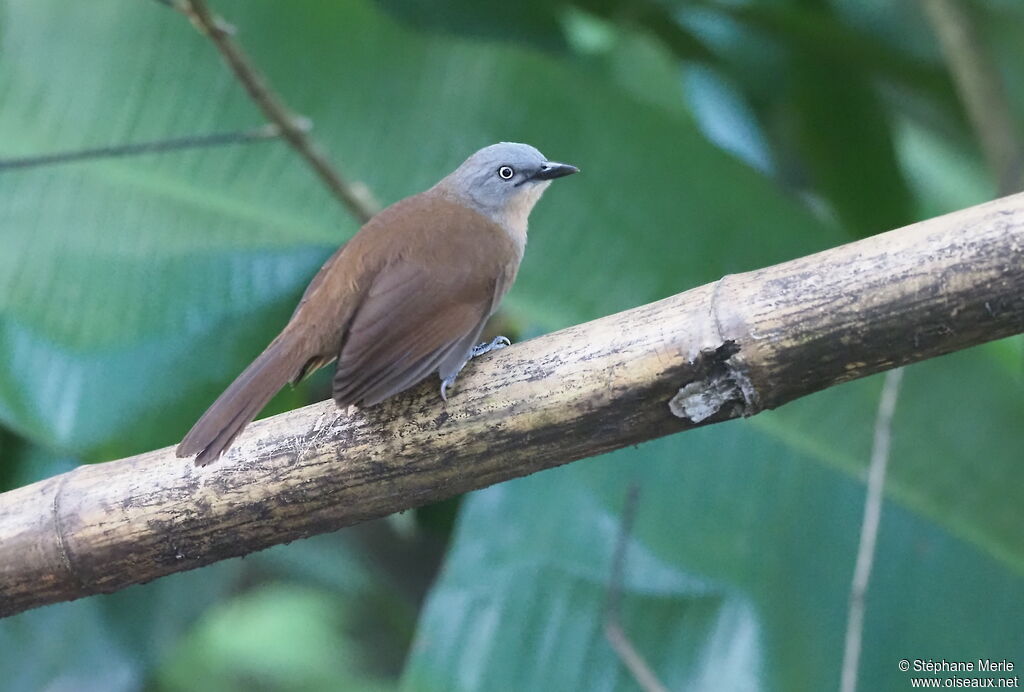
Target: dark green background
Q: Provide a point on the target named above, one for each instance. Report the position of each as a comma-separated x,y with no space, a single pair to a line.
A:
713,137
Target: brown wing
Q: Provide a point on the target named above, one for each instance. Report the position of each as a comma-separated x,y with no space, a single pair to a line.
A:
321,275
416,315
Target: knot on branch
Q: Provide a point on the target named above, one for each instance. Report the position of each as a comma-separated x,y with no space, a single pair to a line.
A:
720,385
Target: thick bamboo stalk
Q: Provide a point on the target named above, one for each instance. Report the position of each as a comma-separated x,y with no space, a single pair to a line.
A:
743,344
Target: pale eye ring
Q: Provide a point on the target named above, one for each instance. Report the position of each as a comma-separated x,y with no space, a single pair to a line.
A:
506,173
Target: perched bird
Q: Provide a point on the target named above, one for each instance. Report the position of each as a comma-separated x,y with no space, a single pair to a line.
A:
408,295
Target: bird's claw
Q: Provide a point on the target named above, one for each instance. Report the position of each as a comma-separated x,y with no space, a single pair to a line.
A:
485,347
478,350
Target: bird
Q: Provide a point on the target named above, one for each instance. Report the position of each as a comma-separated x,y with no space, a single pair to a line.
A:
407,296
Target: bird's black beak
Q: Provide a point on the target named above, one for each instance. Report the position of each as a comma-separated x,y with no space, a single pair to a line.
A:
551,170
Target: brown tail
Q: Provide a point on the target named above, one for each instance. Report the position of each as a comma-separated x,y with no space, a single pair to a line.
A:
238,405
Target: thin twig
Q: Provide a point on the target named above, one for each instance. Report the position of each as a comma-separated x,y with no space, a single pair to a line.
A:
869,528
981,91
613,631
179,143
354,196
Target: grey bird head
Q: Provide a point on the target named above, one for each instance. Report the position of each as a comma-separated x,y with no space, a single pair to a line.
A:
504,181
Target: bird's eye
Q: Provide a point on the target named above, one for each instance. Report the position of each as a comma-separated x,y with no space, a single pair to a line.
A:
506,172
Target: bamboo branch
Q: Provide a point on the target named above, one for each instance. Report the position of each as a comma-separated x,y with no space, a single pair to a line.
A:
294,129
745,343
981,91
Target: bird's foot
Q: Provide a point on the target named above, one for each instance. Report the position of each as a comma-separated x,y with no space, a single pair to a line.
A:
445,384
495,344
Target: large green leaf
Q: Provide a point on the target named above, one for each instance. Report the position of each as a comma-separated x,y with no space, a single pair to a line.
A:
319,614
277,637
846,142
135,289
738,570
956,447
131,291
105,642
854,40
531,21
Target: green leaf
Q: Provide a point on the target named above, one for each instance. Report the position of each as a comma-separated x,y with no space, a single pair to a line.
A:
322,613
276,637
192,631
737,572
843,133
136,289
839,37
110,642
532,21
726,118
10,450
945,174
132,291
102,643
956,442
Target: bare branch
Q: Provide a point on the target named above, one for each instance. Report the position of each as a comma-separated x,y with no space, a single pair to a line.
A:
175,144
354,196
981,91
613,630
745,343
869,528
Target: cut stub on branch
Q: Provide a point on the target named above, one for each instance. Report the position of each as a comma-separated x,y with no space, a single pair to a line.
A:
745,343
721,385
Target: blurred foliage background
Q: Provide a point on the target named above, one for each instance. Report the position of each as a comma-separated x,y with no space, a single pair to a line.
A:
714,136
